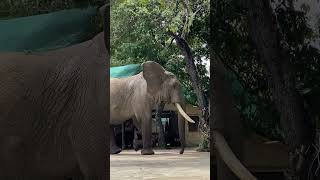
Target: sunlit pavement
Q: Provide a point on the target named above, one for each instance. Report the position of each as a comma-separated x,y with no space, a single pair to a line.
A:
165,164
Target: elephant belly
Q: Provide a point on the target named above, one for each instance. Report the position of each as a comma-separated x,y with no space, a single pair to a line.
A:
119,116
18,157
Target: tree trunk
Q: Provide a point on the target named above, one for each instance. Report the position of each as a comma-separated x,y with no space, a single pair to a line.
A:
159,110
281,81
226,117
196,84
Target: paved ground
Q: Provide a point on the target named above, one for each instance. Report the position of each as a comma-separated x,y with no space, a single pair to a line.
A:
164,165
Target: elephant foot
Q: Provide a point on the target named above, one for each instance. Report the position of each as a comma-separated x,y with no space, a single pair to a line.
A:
136,145
181,151
147,152
115,150
136,148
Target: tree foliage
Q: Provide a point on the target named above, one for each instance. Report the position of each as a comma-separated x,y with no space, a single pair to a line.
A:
232,43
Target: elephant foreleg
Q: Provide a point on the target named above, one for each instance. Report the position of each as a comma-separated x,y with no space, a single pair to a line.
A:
146,129
114,149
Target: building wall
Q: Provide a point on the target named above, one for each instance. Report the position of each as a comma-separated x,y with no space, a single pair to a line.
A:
192,137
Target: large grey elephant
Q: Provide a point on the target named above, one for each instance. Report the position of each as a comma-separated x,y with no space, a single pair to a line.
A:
53,113
135,97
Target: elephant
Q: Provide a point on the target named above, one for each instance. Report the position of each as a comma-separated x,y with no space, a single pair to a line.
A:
134,98
53,112
137,144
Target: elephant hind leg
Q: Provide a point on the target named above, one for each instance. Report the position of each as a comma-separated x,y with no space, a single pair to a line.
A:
114,149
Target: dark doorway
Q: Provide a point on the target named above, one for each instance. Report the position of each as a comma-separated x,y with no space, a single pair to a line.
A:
128,134
169,121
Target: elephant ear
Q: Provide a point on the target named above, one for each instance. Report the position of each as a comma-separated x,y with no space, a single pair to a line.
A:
154,74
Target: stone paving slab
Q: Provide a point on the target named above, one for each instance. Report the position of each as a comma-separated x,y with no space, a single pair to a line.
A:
164,165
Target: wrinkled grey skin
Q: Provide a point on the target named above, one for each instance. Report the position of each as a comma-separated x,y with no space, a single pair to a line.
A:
53,115
135,97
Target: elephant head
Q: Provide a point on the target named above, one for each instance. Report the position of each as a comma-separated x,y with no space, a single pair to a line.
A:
163,86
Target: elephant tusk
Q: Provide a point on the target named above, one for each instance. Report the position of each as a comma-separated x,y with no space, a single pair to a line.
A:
184,114
229,158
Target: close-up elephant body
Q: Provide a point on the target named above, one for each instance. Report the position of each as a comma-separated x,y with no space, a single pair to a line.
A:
53,113
135,97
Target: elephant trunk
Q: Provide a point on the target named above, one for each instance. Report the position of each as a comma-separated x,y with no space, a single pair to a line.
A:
181,126
178,100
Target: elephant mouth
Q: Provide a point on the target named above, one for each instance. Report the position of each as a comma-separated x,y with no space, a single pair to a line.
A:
183,114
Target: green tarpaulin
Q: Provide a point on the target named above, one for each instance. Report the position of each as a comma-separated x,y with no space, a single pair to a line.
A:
125,71
47,31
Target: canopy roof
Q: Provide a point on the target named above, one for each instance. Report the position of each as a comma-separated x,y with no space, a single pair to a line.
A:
47,31
125,71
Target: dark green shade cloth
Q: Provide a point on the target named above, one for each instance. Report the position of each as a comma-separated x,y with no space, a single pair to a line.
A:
125,71
47,31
